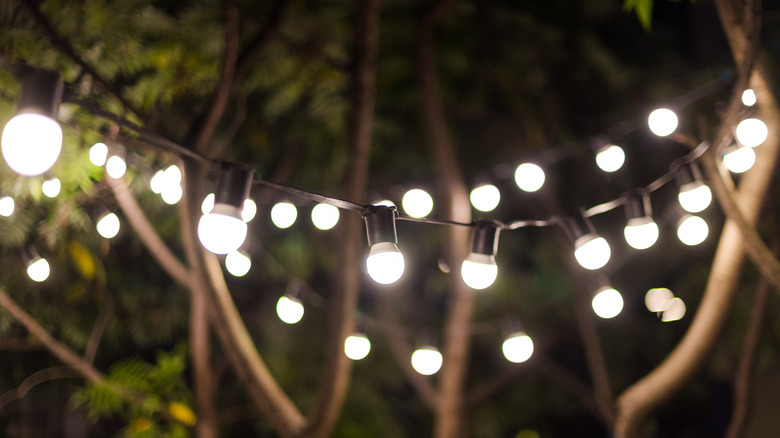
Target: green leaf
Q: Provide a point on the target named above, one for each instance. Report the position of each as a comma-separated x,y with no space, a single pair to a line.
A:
643,10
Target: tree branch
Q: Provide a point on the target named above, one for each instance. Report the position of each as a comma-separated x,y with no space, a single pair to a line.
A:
35,379
97,333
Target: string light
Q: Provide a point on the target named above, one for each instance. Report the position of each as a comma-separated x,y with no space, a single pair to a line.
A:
607,302
641,232
417,203
662,122
116,167
749,97
38,270
479,270
694,195
692,230
385,263
610,158
357,346
108,226
51,187
751,132
289,309
674,311
324,216
98,154
529,177
590,250
222,230
657,299
237,264
739,159
427,360
208,204
485,197
283,214
7,206
250,210
518,347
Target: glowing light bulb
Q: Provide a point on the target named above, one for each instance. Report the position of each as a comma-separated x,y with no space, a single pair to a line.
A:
427,360
222,230
485,198
417,203
98,154
749,97
51,187
607,303
662,122
31,143
116,167
385,263
208,204
592,252
518,347
38,270
249,211
283,214
658,299
237,264
172,175
529,177
610,158
324,216
692,230
7,206
674,311
751,132
108,226
641,232
357,346
171,194
479,271
157,182
385,202
289,309
695,196
739,159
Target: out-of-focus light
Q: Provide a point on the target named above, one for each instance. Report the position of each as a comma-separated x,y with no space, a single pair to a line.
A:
98,154
485,198
692,230
695,197
657,299
7,206
51,187
324,216
357,346
171,194
427,360
38,270
749,97
31,143
610,158
518,347
675,310
607,303
249,211
529,177
157,182
108,226
662,122
739,159
116,167
751,132
283,214
208,204
289,309
237,264
641,232
417,203
222,230
592,251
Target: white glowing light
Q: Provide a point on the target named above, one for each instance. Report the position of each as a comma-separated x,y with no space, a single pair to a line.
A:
592,252
485,198
172,194
38,270
749,97
108,226
607,303
385,263
529,177
116,167
98,154
662,122
222,230
7,206
385,203
51,187
357,346
641,232
208,204
172,175
249,211
417,203
658,299
479,271
157,182
427,360
610,158
324,216
31,143
694,196
674,311
692,230
740,159
237,264
518,347
751,132
289,309
283,214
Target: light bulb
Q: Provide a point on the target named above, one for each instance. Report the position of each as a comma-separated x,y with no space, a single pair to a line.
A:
485,198
692,230
324,216
607,303
98,154
674,311
529,177
662,122
237,264
751,132
479,271
641,232
222,230
417,203
51,187
116,167
208,204
172,194
172,175
658,299
249,211
610,158
38,270
108,226
385,263
289,309
31,143
157,182
695,196
739,159
591,251
357,346
384,202
6,206
283,214
749,97
518,347
427,360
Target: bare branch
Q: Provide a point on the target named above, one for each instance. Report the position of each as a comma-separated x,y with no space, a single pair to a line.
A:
35,379
97,333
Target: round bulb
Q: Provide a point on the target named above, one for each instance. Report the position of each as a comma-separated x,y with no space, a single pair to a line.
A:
157,182
417,203
692,230
283,214
662,122
385,263
740,160
607,303
249,211
38,270
172,194
98,154
518,347
172,175
658,299
31,143
116,167
751,132
674,311
108,226
7,206
591,251
357,346
641,232
610,158
694,196
208,204
427,360
479,270
289,309
385,203
51,187
222,230
529,177
237,264
485,198
749,97
324,216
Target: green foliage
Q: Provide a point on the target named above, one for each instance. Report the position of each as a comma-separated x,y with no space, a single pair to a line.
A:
643,10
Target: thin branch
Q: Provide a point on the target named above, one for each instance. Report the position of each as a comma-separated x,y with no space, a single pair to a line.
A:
17,344
251,54
570,382
35,379
97,333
